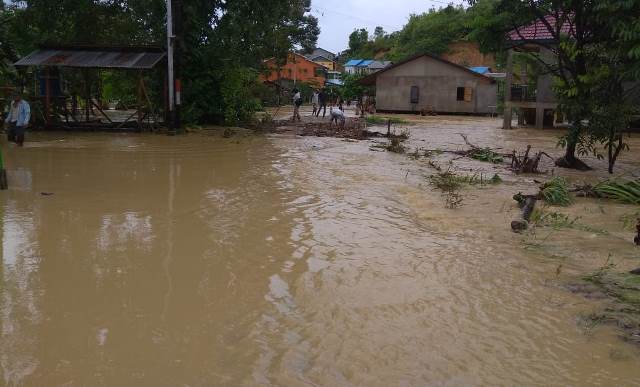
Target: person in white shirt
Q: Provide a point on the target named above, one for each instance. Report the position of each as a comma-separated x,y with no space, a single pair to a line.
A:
336,115
297,102
18,119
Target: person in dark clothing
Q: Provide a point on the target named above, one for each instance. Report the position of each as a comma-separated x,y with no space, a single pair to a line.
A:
322,103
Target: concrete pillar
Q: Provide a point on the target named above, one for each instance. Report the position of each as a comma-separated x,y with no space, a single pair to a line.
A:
506,124
539,118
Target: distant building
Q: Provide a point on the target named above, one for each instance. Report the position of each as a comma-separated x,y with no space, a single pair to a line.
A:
334,78
296,69
365,66
325,58
429,83
533,98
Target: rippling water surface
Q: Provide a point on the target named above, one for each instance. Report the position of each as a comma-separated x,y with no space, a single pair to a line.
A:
284,261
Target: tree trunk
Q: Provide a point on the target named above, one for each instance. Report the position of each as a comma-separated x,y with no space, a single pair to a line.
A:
570,161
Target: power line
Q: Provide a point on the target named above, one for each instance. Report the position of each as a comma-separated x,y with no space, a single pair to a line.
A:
317,9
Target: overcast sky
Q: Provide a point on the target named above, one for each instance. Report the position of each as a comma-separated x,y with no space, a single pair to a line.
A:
338,18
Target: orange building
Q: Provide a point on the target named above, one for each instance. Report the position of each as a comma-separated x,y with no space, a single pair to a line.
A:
297,69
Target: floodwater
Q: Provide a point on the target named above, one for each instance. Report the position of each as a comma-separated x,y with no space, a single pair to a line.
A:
148,260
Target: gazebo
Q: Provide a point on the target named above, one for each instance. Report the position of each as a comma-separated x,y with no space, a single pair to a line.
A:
61,108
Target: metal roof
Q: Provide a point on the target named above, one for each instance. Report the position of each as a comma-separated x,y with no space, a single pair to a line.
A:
480,69
94,57
353,62
365,63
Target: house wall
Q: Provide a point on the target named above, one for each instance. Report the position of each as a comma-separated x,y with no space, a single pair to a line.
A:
297,68
438,83
331,65
545,92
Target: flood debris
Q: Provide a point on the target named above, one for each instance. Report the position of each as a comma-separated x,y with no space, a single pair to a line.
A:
450,183
553,192
556,192
621,291
527,204
482,154
636,240
526,164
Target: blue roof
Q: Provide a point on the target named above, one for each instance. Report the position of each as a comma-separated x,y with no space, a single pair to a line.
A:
353,62
479,69
365,63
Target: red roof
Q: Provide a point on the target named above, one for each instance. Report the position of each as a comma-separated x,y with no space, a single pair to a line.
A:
539,30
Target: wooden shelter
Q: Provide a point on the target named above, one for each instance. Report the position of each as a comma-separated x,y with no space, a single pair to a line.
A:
60,108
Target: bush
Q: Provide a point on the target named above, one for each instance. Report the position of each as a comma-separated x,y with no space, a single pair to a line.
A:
556,192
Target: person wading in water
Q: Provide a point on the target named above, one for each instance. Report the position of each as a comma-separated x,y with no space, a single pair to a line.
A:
18,120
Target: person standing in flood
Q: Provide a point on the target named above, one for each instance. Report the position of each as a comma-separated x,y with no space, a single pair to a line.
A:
322,101
297,102
18,119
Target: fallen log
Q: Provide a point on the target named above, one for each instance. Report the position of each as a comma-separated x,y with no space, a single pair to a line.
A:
527,203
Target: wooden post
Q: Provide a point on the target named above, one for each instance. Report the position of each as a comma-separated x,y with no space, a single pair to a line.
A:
47,96
3,174
507,92
139,100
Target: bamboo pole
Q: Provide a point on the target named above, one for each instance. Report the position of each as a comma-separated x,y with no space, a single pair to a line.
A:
3,174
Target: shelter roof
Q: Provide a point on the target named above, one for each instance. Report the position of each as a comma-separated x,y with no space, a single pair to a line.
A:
94,57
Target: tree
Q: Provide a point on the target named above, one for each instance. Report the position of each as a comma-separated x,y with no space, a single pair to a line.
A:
358,39
378,33
575,29
614,73
221,48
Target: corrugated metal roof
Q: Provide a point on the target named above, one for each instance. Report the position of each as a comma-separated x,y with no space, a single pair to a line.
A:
365,63
125,58
480,69
353,62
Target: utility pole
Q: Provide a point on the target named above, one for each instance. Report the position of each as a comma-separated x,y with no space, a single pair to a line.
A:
170,73
177,63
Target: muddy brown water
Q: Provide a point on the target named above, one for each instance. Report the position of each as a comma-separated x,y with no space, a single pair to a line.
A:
286,261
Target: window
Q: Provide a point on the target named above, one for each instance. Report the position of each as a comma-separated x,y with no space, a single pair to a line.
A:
415,94
464,94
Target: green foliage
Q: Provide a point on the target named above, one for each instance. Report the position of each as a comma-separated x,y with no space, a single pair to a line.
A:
236,89
220,49
380,120
627,191
351,88
488,155
358,39
432,32
556,192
